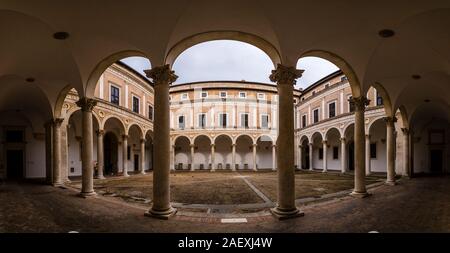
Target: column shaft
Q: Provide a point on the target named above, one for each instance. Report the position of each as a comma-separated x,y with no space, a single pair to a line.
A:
300,157
390,146
274,157
343,156
254,157
233,156
311,156
192,157
57,178
100,155
325,160
213,157
125,155
368,154
406,153
142,169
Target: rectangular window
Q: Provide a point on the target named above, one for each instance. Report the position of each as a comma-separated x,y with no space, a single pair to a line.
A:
265,121
202,120
114,95
244,120
150,112
304,120
344,78
128,152
373,150
135,104
331,110
181,122
261,96
379,100
351,106
335,153
242,95
204,94
184,96
222,120
320,153
223,94
316,116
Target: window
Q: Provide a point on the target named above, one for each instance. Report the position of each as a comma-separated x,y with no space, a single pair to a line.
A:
184,96
150,112
344,78
181,122
327,85
222,119
331,110
264,121
128,152
304,120
204,94
335,153
295,101
373,150
135,104
244,120
314,92
202,120
320,153
223,94
261,96
242,95
316,115
351,106
114,95
379,100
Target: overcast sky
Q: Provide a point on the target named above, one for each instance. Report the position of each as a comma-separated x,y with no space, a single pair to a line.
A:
233,61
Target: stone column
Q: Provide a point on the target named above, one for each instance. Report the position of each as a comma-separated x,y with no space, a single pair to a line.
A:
368,154
213,157
285,77
359,104
162,77
100,155
343,156
390,147
300,157
172,158
192,156
125,155
325,160
57,178
233,156
274,157
48,152
406,153
311,156
142,156
87,163
254,157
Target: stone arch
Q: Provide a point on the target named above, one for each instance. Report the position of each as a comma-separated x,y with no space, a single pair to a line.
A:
317,134
122,124
241,135
329,130
61,98
347,128
342,64
180,137
103,65
227,135
140,130
372,122
265,136
303,137
404,116
388,109
199,135
264,45
202,155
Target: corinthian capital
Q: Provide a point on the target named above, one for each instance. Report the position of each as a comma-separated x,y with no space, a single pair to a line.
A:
57,122
285,75
86,104
359,103
405,131
161,75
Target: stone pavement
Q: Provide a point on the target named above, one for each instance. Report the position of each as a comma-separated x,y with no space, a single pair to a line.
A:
416,205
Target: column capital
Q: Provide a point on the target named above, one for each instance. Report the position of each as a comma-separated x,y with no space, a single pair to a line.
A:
274,145
233,145
57,122
213,145
254,145
192,145
342,139
359,103
390,120
368,136
285,75
300,146
124,136
310,144
161,75
406,131
324,142
143,140
100,132
86,104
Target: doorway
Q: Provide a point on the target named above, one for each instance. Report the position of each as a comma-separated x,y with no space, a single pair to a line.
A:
351,156
110,148
136,162
14,164
436,161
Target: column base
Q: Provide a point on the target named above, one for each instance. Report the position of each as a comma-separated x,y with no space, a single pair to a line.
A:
58,184
143,173
125,175
100,177
359,194
324,171
283,214
162,215
391,183
87,194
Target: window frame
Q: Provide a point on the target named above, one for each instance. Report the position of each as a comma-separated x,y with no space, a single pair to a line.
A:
240,120
219,119
199,117
335,107
151,112
224,92
111,86
184,98
203,92
242,92
184,121
304,120
263,96
133,97
261,121
314,114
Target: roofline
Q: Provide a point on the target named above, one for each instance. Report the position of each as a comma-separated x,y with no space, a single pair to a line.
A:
228,81
141,76
322,80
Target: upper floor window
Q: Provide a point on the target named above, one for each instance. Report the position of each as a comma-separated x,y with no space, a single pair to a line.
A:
379,100
223,119
344,78
261,96
181,122
313,92
115,95
184,96
264,121
304,120
351,106
295,101
135,104
327,85
242,94
244,120
223,94
332,110
150,112
204,94
316,115
202,120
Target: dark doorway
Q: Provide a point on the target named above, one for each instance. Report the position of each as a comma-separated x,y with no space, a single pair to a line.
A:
436,161
136,162
351,156
305,155
14,163
110,147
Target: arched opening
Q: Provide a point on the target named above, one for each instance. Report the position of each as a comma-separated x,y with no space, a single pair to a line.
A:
305,153
317,151
334,149
349,134
111,154
377,147
202,157
182,153
244,153
265,153
134,148
223,145
149,151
